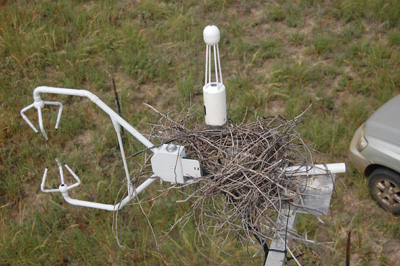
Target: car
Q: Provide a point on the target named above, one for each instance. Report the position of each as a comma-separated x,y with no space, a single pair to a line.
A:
375,152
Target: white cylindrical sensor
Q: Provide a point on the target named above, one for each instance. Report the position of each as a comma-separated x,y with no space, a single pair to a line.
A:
214,104
213,91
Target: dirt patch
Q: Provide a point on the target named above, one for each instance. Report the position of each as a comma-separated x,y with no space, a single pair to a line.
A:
123,82
275,107
85,140
34,200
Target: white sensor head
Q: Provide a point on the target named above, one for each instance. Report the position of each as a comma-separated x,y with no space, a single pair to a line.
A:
211,35
214,90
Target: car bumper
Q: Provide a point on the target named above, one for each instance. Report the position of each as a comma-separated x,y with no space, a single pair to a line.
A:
356,157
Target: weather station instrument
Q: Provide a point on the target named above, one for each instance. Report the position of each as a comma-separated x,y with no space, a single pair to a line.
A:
169,162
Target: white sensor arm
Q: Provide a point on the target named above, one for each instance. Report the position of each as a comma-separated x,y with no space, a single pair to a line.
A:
117,123
39,104
168,164
107,207
63,189
317,169
78,181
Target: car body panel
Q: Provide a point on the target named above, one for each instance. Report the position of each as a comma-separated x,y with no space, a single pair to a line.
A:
357,159
382,153
385,122
382,132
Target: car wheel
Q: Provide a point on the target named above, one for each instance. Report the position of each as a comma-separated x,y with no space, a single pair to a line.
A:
385,188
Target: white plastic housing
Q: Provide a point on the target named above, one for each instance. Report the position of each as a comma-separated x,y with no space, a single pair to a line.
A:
214,104
171,166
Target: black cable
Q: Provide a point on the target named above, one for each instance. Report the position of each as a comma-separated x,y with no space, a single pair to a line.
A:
118,105
285,250
262,243
286,231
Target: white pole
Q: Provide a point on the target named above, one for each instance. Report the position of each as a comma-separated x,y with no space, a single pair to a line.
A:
121,147
219,65
205,82
209,64
26,118
317,169
41,124
60,170
216,68
59,111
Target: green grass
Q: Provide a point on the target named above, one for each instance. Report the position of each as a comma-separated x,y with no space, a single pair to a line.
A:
341,56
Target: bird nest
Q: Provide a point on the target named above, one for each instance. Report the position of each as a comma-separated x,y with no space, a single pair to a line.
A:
244,185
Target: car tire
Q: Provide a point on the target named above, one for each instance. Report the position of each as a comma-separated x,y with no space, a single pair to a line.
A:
385,188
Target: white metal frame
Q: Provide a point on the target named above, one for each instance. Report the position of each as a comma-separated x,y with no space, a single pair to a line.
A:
167,158
317,185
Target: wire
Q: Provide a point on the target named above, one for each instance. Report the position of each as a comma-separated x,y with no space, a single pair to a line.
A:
118,104
285,241
120,232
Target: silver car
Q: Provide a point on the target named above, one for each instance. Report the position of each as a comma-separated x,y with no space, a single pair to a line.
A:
375,151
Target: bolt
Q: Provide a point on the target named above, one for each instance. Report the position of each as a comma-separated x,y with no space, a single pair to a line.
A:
171,147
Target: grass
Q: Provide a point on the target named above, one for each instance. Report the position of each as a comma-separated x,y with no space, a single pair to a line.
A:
277,58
